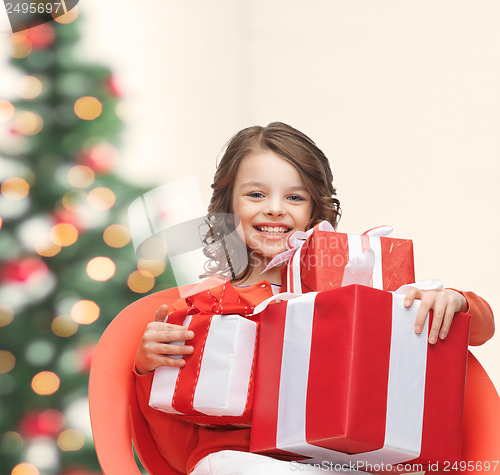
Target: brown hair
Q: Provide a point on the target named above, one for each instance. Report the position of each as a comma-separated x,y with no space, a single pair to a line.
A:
293,146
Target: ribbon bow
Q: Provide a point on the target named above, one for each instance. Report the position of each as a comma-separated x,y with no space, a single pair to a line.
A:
229,303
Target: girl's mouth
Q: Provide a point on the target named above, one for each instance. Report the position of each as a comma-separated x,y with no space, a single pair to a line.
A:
273,230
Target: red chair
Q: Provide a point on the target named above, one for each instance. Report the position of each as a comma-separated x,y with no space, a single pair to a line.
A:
114,412
481,434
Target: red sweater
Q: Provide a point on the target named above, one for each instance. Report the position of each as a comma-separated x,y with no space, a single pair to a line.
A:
183,444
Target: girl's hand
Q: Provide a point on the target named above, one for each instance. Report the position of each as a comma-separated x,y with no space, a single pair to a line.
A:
156,348
444,304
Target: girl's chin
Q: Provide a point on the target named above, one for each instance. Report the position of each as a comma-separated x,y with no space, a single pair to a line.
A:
268,253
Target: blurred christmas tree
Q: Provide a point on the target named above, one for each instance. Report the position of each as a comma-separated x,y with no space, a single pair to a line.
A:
67,266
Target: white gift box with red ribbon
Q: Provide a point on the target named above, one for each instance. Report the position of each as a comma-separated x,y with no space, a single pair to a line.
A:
215,385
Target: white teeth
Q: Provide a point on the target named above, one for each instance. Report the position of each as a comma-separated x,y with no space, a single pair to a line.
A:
273,230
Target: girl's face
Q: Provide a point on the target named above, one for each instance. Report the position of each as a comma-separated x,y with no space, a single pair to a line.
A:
271,201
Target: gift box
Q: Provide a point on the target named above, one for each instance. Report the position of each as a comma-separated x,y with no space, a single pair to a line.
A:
322,259
215,385
342,377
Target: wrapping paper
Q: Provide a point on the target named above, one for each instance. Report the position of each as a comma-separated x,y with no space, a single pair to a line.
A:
342,377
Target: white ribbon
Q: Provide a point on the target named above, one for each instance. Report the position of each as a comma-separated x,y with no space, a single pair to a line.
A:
405,391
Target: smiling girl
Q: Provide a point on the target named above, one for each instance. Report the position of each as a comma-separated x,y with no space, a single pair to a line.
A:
275,181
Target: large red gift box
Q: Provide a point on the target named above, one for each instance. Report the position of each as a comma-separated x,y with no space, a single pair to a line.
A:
323,259
342,377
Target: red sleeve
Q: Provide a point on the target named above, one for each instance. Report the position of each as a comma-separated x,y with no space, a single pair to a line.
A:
482,323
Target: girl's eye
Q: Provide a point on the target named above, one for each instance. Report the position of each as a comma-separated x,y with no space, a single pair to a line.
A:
256,194
295,198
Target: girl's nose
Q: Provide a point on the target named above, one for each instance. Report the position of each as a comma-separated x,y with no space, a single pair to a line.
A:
275,208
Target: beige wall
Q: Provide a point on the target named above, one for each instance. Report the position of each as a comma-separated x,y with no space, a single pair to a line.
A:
402,95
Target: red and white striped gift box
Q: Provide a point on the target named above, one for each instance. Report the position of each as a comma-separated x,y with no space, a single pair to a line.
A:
342,377
215,385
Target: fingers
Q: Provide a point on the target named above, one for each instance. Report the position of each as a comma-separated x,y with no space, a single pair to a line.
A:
169,349
166,333
443,304
162,344
437,320
161,313
411,294
156,360
448,319
423,311
171,354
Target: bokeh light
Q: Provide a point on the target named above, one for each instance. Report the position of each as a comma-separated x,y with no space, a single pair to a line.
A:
7,110
21,46
29,87
116,235
140,281
7,361
154,267
101,268
13,209
42,452
101,198
64,234
34,232
64,326
70,439
88,108
100,155
85,312
45,423
45,383
25,469
78,417
40,352
6,315
15,188
45,249
28,122
124,111
80,176
70,362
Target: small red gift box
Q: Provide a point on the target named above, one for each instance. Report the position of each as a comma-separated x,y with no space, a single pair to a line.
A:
342,377
215,385
323,259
